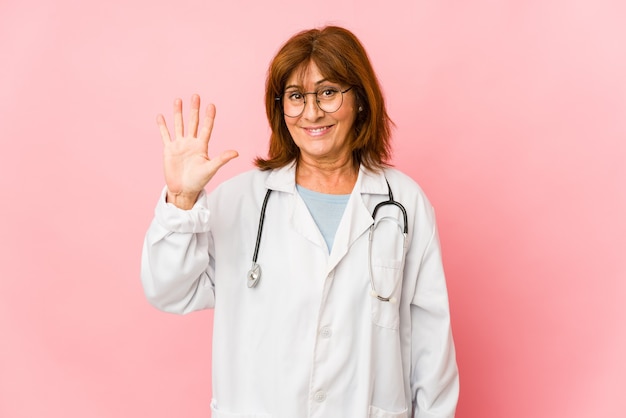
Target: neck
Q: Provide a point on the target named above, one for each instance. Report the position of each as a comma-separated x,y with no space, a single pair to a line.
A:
332,178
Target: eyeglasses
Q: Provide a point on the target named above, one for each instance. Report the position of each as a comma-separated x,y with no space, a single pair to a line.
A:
328,99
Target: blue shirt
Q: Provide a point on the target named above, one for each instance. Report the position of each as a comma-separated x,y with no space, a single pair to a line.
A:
326,210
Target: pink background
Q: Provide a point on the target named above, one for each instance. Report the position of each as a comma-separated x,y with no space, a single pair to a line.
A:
511,115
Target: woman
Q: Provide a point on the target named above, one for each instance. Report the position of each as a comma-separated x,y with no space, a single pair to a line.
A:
343,314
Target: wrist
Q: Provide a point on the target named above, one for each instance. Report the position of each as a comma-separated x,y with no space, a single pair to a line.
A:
183,201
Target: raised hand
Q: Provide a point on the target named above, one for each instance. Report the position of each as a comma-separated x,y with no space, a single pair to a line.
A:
186,161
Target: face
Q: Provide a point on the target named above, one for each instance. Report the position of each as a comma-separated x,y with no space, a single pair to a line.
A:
323,138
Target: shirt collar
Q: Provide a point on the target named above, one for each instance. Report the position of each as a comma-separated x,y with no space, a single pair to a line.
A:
368,182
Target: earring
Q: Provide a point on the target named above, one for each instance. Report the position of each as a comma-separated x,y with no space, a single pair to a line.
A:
360,108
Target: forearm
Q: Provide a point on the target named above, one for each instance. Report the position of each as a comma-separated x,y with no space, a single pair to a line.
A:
435,379
434,376
175,271
176,268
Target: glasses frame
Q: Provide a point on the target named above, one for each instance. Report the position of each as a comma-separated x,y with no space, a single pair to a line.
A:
280,99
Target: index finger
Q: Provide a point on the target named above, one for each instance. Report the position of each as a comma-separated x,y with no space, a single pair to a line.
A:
207,123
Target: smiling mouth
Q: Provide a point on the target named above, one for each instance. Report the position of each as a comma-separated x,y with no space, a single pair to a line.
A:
321,130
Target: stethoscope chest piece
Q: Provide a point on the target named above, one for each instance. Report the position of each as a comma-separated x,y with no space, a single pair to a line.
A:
254,275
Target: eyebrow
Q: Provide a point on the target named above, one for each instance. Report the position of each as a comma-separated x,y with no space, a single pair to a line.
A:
317,83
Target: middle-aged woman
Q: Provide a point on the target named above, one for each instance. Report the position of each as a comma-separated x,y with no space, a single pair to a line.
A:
341,308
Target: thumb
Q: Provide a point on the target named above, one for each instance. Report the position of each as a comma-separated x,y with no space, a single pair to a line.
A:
223,158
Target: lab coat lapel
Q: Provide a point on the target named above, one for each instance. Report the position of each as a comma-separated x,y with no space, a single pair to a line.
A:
357,217
304,224
284,180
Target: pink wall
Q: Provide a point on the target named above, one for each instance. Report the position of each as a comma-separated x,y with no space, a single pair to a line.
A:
511,114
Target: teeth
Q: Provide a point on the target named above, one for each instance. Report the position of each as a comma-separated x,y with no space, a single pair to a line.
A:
317,129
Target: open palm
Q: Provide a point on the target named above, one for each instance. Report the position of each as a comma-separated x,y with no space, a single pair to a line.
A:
186,161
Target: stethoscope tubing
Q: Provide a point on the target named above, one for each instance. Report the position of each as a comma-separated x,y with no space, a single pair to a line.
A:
254,274
260,229
404,229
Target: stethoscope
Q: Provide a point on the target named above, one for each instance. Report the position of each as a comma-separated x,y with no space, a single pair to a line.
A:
254,274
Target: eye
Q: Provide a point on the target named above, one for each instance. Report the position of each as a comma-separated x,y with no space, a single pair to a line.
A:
294,96
327,93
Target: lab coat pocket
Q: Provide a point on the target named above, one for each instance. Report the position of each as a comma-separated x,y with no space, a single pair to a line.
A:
218,413
386,276
380,413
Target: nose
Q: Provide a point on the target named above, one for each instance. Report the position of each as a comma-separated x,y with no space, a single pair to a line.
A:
312,110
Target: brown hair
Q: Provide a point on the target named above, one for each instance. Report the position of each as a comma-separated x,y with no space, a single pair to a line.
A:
340,58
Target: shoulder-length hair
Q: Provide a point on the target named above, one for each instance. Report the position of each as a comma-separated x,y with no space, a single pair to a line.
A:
340,58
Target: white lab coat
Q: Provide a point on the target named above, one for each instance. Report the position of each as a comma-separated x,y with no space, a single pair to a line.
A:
310,340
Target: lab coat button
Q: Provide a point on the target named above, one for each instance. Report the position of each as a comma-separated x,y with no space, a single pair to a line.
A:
325,332
320,396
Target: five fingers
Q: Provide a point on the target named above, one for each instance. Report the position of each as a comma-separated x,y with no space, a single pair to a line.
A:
186,150
194,119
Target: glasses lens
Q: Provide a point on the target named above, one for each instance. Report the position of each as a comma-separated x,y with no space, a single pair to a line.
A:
293,103
329,100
